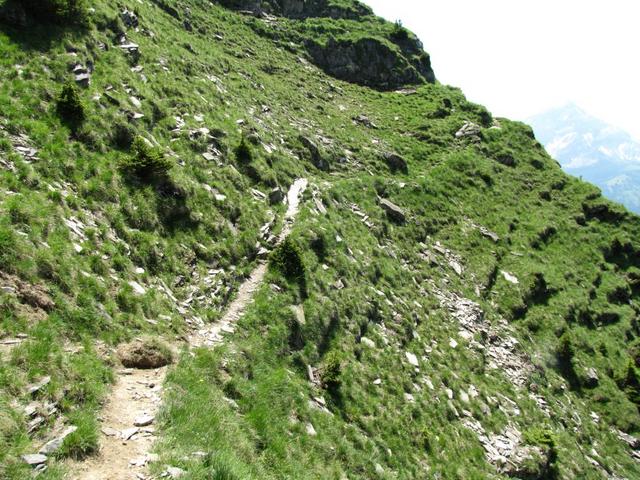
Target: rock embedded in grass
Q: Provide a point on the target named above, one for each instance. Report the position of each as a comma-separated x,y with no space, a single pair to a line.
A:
394,212
34,459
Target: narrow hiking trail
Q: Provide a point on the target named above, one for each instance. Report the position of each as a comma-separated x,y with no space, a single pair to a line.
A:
127,427
128,418
212,334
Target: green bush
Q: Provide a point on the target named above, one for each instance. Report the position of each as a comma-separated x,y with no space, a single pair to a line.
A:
566,348
330,371
146,163
70,107
287,259
243,153
57,11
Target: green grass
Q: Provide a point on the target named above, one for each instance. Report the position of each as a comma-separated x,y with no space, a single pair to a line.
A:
246,405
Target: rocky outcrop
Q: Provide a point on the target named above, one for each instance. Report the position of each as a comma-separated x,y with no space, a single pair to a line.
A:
371,62
385,61
299,8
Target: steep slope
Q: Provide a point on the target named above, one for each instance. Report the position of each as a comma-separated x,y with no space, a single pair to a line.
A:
449,304
588,147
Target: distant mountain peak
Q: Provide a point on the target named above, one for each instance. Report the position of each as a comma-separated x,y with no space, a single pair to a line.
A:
588,147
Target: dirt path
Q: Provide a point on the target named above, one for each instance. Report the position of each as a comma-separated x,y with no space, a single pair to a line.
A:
127,428
128,418
212,334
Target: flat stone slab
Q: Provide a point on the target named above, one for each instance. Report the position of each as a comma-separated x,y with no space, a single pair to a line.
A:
34,459
144,420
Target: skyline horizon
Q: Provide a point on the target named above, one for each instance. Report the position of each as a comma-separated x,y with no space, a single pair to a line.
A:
523,60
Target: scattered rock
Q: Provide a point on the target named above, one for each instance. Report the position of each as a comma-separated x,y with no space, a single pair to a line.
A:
36,387
83,79
489,234
110,432
137,288
509,277
128,433
456,266
412,359
310,430
144,420
630,440
469,129
364,120
174,472
129,18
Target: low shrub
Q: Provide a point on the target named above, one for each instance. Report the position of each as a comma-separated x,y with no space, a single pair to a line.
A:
287,259
331,371
66,12
70,107
243,153
146,163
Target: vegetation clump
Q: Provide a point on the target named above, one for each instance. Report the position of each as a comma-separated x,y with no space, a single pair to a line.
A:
145,162
62,12
70,107
287,259
330,373
243,153
145,353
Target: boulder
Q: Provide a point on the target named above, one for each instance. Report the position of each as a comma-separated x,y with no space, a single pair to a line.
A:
276,196
396,163
591,378
393,211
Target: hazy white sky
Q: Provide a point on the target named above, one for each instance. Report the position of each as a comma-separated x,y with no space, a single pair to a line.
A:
519,58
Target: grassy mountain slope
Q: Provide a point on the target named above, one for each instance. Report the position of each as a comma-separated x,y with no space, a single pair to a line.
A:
404,371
